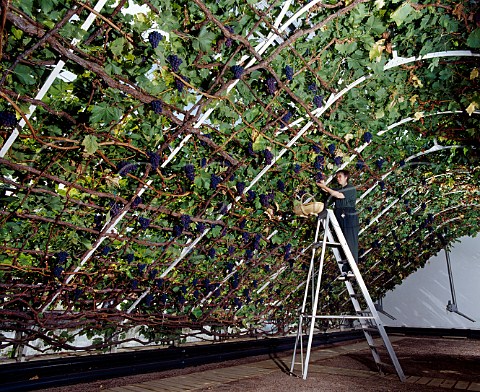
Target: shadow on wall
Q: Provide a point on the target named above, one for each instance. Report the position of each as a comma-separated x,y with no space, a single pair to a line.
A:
421,300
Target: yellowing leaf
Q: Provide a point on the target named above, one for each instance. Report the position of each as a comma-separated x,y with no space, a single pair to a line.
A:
474,73
90,143
418,115
416,81
413,99
377,49
348,137
471,108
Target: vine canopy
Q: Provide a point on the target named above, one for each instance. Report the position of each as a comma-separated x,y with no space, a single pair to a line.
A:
152,152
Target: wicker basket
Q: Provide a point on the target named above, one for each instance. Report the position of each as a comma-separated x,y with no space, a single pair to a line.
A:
306,209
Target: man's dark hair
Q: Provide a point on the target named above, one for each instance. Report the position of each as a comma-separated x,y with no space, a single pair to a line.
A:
346,173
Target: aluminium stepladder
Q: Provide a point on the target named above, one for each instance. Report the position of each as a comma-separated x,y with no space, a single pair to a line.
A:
368,318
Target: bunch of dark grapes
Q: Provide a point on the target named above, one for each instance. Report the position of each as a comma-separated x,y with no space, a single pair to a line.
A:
185,221
312,87
287,248
286,117
228,41
318,176
134,284
288,72
136,202
152,274
203,143
154,159
77,293
268,156
144,222
240,187
242,223
177,230
297,168
367,137
360,165
97,219
154,38
201,227
316,149
105,250
264,200
203,162
281,186
214,181
211,253
124,167
174,62
251,195
271,85
7,119
337,160
231,251
379,162
331,148
237,71
156,105
381,184
250,149
179,84
318,101
114,209
318,163
130,257
401,163
62,256
256,241
148,300
223,208
141,268
266,268
245,237
248,254
189,172
57,271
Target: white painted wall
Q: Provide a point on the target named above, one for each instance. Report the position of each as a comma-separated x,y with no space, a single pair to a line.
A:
421,299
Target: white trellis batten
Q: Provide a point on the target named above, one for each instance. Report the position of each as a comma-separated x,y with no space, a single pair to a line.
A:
51,78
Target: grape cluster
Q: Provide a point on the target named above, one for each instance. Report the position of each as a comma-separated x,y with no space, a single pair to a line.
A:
237,71
266,268
222,208
286,117
316,148
318,176
141,268
381,184
271,85
134,284
228,41
250,149
105,250
248,254
156,105
401,163
240,187
62,256
136,202
337,160
360,165
245,237
124,167
251,195
237,302
256,241
154,38
57,271
174,62
97,219
264,200
179,84
288,72
177,230
211,253
114,209
281,186
148,299
7,119
268,156
203,162
379,162
231,251
318,101
214,181
154,159
297,168
77,293
144,222
189,172
312,87
130,257
201,227
319,162
367,137
185,221
152,274
331,148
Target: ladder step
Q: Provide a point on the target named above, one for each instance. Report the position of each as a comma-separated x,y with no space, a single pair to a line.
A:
369,329
328,243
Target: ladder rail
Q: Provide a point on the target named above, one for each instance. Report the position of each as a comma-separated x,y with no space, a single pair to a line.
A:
330,221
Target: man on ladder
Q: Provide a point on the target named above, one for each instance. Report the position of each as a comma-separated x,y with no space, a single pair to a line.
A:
344,210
